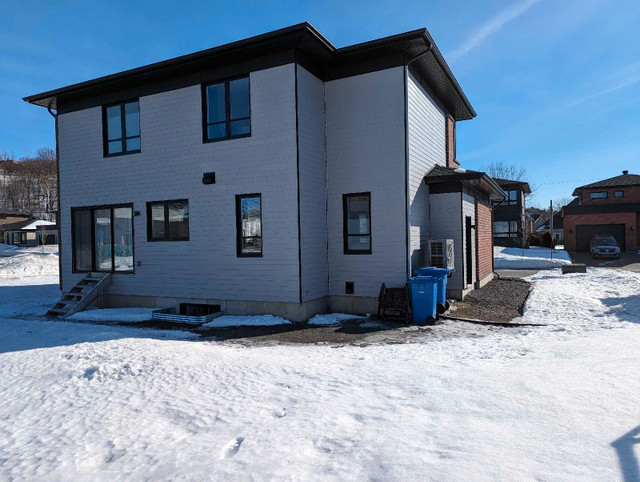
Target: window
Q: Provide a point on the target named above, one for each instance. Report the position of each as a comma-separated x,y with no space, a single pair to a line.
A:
19,238
599,195
121,128
249,225
505,229
168,220
357,223
102,239
512,197
226,110
618,193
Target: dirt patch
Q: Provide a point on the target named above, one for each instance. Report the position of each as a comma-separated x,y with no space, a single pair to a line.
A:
500,300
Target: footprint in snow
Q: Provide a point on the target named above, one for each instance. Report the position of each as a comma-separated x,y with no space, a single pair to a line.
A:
232,447
280,413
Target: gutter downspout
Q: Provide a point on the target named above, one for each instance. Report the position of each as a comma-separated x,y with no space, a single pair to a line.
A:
58,214
407,207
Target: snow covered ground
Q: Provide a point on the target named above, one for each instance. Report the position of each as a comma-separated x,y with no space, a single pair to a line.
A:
532,258
460,401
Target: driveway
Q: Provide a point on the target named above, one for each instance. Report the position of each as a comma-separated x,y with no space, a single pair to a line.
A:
629,261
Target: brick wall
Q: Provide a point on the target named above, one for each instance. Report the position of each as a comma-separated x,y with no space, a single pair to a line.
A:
631,195
484,241
450,128
630,220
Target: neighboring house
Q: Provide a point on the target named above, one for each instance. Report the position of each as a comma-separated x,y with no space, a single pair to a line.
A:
510,223
10,218
610,206
276,174
31,232
558,227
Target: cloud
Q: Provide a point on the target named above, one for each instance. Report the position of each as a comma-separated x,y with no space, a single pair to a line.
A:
491,27
625,83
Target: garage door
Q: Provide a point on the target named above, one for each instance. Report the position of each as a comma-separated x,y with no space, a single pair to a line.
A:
584,233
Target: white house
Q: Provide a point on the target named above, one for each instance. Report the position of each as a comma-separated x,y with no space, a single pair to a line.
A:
277,174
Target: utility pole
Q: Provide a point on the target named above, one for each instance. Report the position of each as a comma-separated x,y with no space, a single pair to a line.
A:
553,239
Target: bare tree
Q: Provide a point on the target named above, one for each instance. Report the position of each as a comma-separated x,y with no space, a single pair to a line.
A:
558,204
502,170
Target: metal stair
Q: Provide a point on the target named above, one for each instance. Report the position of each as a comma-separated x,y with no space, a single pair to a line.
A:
81,295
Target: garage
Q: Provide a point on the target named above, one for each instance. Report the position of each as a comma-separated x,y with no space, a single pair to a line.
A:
584,233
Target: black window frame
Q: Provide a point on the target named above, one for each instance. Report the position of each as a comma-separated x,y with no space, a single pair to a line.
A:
592,195
239,235
615,194
345,225
123,127
166,237
91,209
510,233
227,110
22,235
511,202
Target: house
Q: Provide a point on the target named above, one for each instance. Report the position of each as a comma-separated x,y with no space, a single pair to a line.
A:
11,217
558,230
30,232
610,206
277,174
509,215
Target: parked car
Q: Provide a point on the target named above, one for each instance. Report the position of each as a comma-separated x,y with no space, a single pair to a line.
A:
604,246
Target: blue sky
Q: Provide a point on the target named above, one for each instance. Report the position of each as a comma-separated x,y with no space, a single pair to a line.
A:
555,83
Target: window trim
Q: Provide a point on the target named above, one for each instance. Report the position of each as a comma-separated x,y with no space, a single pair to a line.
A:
93,258
239,237
227,109
123,139
345,230
166,203
606,195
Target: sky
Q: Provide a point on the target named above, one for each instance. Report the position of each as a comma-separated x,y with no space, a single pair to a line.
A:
555,83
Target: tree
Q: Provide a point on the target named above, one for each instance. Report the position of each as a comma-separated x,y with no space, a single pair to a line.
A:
558,204
502,170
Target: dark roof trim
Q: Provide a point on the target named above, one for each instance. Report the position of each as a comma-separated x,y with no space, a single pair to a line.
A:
440,174
624,180
507,184
572,208
332,62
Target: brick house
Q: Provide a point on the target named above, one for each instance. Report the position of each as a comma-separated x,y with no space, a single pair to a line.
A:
610,206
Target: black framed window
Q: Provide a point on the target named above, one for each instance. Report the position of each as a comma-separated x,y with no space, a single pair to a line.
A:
357,223
121,128
618,193
512,197
505,229
226,111
168,220
249,225
19,238
599,195
102,238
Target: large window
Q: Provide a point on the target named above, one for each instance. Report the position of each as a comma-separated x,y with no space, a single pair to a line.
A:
505,229
18,238
168,220
103,239
121,126
599,195
357,223
249,225
226,110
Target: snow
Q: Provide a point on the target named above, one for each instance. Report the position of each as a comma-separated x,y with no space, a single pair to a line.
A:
28,262
533,258
116,315
454,402
225,321
331,319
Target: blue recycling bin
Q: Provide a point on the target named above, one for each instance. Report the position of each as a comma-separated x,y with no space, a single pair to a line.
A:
424,290
442,274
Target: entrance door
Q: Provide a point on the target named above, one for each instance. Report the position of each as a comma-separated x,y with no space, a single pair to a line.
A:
469,257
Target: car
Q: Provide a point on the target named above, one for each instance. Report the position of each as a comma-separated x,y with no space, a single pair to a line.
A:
604,246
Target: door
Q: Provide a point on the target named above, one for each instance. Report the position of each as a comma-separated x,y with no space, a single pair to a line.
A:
584,233
469,252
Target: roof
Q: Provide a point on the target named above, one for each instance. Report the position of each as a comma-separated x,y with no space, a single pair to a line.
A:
448,174
28,225
558,223
310,48
623,180
508,184
574,207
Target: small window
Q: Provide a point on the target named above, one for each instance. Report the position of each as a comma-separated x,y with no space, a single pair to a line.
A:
121,126
512,197
249,225
168,220
227,110
357,223
618,193
598,195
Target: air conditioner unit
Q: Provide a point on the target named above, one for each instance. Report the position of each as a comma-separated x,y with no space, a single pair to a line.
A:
441,253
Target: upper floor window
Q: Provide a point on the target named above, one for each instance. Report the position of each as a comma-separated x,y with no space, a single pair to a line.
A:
599,195
357,223
249,225
168,220
121,128
618,193
512,197
227,110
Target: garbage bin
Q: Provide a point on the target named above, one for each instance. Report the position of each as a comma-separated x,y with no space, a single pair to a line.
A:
442,274
424,290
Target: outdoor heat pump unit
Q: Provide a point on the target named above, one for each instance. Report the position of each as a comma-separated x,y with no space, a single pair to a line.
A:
441,253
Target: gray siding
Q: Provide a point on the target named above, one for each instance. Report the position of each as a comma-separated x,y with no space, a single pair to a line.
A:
366,152
170,166
447,223
313,195
469,209
426,145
